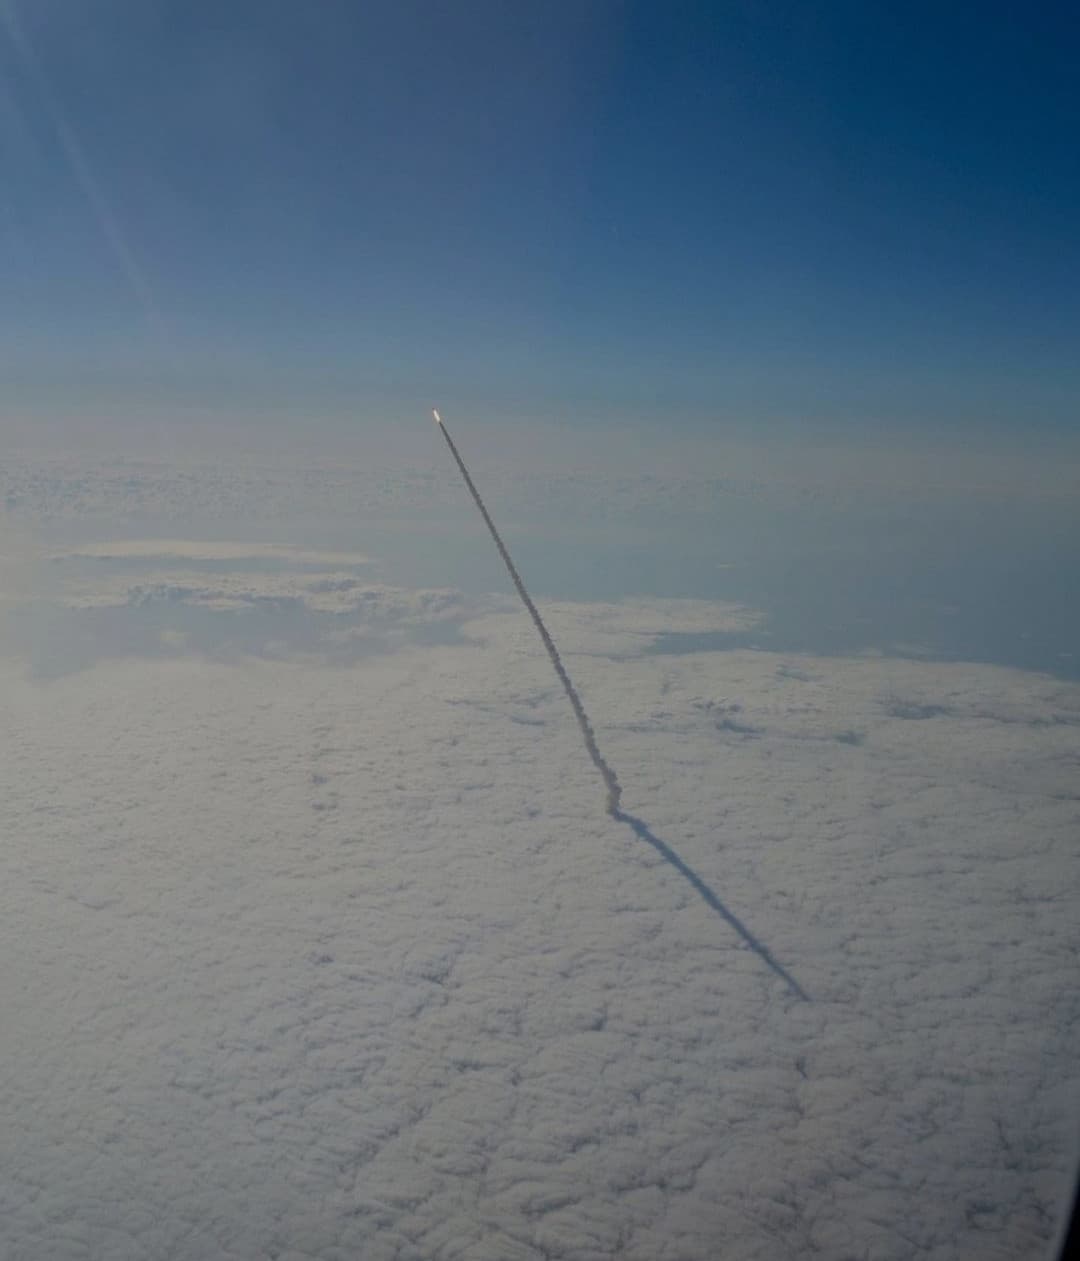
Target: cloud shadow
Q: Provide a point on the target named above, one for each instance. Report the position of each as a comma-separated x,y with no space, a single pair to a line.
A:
665,851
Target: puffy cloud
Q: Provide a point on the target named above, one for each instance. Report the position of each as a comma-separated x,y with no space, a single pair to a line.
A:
318,942
305,960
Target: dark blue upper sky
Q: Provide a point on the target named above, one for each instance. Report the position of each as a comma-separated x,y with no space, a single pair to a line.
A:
857,212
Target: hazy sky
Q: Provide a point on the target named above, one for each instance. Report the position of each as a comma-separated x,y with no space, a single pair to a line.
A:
843,212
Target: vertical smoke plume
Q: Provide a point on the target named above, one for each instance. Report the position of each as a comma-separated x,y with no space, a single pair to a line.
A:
614,792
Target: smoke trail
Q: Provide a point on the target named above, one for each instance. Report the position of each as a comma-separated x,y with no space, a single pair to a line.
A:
614,792
607,774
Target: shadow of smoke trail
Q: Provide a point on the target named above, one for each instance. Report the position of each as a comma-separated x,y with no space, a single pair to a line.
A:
688,873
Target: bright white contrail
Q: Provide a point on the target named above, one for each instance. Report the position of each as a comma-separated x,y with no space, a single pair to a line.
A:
614,792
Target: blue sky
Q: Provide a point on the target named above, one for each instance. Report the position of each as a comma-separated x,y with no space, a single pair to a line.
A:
852,213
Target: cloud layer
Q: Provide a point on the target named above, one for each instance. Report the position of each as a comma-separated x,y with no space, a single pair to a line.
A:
312,961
